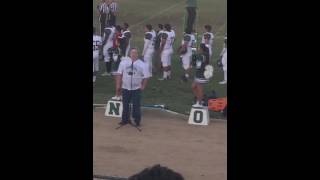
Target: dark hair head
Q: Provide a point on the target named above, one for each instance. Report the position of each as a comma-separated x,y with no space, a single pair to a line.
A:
118,28
149,27
208,27
157,172
167,27
160,26
125,25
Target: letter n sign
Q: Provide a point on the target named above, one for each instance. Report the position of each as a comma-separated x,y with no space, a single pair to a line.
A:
114,109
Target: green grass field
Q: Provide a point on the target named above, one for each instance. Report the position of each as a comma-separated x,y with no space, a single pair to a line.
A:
175,94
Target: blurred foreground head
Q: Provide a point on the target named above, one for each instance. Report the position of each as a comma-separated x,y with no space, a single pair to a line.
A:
157,172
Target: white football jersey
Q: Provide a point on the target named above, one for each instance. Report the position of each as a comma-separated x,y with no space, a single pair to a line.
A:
210,39
96,43
170,39
161,31
111,32
149,40
127,34
191,41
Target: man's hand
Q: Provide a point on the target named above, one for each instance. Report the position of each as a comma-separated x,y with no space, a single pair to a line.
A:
143,84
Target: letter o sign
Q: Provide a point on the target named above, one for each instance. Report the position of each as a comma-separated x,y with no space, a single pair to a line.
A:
198,116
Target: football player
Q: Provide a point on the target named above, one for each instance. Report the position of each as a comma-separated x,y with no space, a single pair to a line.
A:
107,44
207,38
223,57
125,40
185,51
166,50
148,49
96,52
200,60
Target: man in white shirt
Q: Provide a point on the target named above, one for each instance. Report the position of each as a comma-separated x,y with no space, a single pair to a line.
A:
133,75
148,49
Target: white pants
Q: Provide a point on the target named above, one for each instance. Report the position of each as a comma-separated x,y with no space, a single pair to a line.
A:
166,57
224,67
224,62
127,51
106,53
95,63
148,55
210,50
186,60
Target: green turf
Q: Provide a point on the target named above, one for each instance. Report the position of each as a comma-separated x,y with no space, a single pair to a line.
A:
175,94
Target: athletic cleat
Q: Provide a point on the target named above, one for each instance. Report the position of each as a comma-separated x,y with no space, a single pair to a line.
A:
223,82
197,105
184,78
117,98
162,79
105,74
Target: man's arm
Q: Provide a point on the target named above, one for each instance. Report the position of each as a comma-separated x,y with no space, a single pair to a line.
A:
144,84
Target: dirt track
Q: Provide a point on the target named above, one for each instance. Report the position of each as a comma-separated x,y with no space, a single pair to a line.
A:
197,152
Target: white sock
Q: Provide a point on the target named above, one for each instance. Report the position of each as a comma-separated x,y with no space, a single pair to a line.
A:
165,74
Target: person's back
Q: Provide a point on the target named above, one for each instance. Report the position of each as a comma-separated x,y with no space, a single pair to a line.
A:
157,172
109,35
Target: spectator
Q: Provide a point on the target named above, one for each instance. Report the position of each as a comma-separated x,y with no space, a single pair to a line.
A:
157,172
103,11
113,9
191,13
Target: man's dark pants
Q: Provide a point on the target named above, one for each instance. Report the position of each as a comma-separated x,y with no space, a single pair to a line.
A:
133,96
112,20
191,17
103,19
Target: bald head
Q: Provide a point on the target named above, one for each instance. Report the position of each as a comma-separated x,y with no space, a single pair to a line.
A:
134,54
